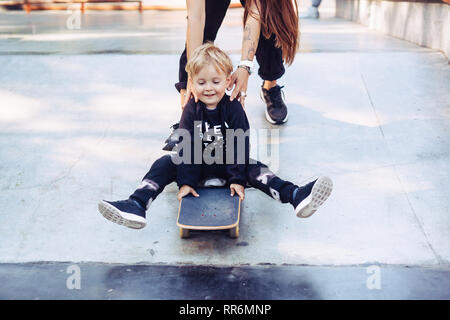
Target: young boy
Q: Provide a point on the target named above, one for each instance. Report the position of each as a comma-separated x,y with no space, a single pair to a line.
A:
208,123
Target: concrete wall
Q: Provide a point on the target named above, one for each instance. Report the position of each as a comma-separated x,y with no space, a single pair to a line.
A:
424,23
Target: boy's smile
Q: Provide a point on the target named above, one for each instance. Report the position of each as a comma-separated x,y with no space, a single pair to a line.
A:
209,84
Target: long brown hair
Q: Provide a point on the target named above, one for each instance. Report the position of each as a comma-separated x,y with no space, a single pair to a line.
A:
280,18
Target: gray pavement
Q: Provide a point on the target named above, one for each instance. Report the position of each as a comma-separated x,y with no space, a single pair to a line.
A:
172,282
84,113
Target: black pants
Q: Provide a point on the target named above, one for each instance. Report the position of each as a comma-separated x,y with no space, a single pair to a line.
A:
164,171
269,57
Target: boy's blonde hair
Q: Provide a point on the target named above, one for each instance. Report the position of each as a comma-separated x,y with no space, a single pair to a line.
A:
209,54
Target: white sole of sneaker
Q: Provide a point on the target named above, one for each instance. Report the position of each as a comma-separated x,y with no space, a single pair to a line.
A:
123,218
269,119
319,193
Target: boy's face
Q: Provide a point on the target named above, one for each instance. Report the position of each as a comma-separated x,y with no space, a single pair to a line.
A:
209,85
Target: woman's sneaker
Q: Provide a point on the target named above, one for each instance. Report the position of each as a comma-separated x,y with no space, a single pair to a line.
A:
308,198
276,112
127,213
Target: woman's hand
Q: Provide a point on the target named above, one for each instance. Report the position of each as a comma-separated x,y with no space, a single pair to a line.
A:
237,188
239,79
187,94
185,190
250,40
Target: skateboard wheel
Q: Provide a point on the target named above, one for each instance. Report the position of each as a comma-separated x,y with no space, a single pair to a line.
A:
234,232
184,233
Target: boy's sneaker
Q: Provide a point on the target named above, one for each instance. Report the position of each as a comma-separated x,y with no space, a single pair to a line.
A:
124,212
276,112
308,198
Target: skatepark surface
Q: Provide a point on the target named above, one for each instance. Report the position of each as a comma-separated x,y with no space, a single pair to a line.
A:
84,113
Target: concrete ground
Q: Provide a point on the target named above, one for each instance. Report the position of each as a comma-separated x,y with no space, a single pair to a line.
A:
85,112
181,282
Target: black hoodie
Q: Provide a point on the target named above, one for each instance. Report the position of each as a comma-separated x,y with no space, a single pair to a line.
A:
213,130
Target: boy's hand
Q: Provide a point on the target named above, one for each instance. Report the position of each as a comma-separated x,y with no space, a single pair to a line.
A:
237,188
185,190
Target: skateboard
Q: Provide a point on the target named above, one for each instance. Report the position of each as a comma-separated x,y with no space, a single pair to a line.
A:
214,209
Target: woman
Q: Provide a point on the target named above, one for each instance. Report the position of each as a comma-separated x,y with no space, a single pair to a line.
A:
270,33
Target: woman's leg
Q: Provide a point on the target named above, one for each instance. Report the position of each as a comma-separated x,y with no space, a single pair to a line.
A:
271,68
270,60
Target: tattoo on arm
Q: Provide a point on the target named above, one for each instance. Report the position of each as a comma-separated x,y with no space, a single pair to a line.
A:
250,52
247,32
250,37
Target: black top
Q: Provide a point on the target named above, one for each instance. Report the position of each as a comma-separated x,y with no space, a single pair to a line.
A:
210,128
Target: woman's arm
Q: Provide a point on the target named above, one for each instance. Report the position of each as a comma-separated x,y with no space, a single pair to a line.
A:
252,30
195,25
250,40
194,38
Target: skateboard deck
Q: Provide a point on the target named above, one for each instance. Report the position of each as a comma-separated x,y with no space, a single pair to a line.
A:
214,209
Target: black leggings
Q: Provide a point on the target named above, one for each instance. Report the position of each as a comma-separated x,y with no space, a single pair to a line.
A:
269,57
164,171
